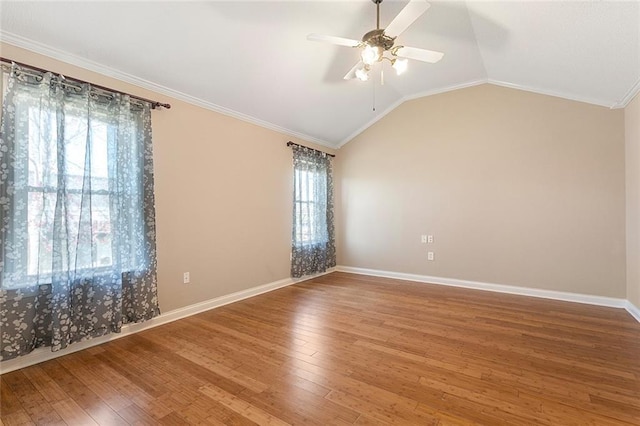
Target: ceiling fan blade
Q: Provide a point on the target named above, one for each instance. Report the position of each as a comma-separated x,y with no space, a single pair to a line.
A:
340,41
352,72
423,55
406,17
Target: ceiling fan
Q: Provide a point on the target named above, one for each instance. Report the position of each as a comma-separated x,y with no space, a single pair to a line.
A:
377,42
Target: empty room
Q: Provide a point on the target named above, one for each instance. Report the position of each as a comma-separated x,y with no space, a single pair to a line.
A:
320,212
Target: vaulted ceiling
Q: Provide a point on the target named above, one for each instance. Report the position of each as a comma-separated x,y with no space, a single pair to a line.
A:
252,60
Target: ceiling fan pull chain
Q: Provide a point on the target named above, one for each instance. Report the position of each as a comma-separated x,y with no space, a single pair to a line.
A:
373,85
373,88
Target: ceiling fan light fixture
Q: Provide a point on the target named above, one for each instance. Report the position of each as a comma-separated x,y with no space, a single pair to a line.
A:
376,43
400,65
362,74
371,54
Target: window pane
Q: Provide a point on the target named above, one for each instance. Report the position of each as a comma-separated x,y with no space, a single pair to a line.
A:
85,218
75,135
99,165
40,226
310,213
101,231
43,163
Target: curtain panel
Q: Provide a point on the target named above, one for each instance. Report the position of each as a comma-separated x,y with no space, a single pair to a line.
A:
313,241
77,214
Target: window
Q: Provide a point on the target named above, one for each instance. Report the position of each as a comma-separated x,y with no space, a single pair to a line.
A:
310,203
84,169
313,248
73,180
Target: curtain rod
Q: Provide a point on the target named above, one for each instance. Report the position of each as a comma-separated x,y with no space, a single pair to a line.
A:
316,150
154,104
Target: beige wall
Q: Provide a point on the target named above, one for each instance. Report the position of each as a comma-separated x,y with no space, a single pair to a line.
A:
517,188
223,195
632,145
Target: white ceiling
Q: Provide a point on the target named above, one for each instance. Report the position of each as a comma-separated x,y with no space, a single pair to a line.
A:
252,59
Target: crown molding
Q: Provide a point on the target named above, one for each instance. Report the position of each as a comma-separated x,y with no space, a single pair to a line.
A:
554,93
371,122
557,94
409,98
471,83
72,59
631,94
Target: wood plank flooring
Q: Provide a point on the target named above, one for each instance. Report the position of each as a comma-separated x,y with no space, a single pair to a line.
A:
348,349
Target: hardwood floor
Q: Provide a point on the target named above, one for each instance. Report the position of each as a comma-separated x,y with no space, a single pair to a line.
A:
349,349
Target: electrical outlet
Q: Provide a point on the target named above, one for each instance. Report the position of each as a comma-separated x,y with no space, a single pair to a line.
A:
430,239
186,279
430,255
423,239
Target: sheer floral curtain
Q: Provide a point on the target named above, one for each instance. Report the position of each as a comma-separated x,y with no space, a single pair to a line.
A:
313,243
77,215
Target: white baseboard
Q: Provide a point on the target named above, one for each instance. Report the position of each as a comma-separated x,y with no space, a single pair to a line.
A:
44,354
499,288
588,299
633,310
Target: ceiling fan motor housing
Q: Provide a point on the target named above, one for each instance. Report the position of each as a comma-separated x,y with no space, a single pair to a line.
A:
377,38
